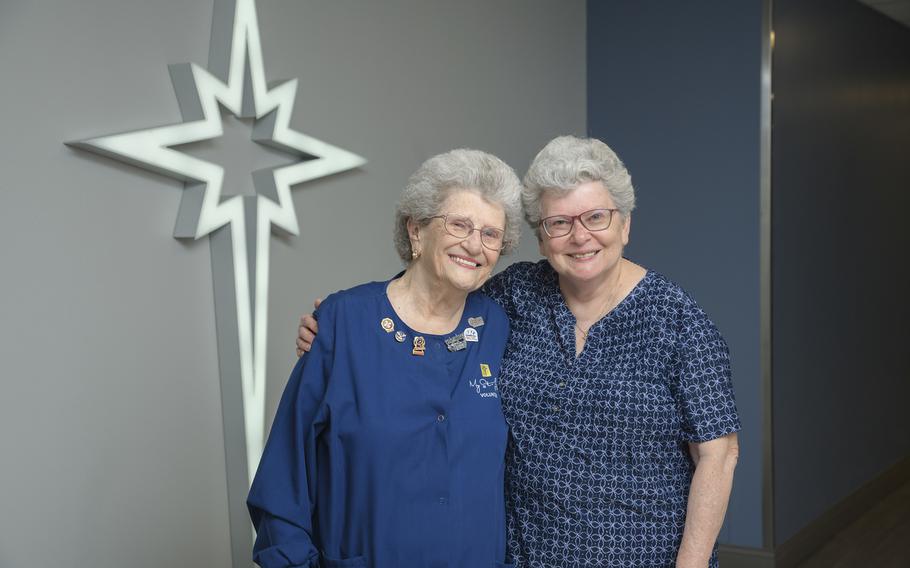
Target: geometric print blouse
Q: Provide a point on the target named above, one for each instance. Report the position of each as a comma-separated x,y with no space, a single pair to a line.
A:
598,468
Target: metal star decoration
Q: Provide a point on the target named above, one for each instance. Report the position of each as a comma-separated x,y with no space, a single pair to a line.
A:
239,226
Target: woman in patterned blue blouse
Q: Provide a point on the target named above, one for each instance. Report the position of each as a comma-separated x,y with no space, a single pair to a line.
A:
615,385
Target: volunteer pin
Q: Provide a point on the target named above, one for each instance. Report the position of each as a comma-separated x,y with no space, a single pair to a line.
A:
400,336
475,322
485,370
420,346
470,334
387,324
456,343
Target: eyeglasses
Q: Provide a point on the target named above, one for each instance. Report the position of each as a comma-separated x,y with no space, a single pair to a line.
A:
462,227
593,220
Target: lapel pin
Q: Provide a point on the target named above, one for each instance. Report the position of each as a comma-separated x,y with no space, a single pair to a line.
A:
420,345
456,343
387,324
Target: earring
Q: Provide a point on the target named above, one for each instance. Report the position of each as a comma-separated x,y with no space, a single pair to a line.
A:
415,248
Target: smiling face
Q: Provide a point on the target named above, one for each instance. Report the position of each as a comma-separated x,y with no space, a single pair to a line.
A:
584,256
459,263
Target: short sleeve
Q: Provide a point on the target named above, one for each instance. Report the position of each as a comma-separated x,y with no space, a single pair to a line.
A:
705,390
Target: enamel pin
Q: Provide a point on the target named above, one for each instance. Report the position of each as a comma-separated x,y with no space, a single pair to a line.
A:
400,336
485,370
387,324
470,334
420,346
456,343
475,322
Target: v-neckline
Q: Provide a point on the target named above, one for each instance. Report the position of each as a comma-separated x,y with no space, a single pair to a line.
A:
565,320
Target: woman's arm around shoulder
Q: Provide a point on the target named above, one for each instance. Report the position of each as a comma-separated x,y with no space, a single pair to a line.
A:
502,286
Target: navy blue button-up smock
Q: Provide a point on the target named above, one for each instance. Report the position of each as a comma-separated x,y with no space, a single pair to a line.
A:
598,468
381,458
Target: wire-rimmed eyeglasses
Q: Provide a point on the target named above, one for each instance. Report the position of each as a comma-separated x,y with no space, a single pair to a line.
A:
462,227
593,220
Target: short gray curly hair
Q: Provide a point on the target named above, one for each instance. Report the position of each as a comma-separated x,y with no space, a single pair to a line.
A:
567,162
466,169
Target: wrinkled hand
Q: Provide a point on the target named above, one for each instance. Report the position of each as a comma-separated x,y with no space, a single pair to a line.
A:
307,330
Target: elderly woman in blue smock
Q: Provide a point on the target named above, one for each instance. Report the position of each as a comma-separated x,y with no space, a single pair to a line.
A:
387,449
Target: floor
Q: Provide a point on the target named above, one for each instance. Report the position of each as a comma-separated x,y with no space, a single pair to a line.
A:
878,539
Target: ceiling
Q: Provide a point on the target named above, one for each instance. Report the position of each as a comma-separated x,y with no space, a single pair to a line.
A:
895,9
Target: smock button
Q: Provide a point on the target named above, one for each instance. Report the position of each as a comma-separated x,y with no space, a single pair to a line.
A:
555,408
441,418
562,385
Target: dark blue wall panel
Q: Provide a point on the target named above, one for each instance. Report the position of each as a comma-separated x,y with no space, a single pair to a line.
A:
674,88
841,197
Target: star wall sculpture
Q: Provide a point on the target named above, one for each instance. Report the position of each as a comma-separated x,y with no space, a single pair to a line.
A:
239,226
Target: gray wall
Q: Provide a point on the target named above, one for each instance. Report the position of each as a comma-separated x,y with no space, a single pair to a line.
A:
840,237
110,417
674,88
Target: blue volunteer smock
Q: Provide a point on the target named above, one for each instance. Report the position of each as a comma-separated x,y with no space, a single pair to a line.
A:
379,457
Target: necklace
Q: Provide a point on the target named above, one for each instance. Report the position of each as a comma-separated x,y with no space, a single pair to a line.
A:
606,308
583,332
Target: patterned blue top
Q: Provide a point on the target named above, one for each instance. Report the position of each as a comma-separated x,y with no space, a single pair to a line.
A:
598,470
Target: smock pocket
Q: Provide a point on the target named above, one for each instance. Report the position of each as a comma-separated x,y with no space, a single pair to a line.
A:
353,562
